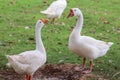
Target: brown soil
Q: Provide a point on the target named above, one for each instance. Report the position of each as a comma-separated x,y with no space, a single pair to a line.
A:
52,72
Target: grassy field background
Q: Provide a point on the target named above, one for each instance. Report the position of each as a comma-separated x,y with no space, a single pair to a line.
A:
101,21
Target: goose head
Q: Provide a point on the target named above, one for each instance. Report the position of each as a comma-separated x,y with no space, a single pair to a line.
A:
41,22
74,12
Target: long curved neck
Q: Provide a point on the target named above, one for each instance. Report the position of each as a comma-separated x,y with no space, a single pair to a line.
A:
79,24
39,44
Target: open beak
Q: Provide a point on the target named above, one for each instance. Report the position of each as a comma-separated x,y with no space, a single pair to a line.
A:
44,21
71,13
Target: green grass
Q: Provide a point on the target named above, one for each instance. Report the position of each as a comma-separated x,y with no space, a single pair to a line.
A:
101,21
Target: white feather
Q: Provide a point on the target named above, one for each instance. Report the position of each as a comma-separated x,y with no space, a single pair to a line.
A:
55,9
29,61
86,46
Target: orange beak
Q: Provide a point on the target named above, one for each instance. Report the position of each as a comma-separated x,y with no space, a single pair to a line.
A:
44,21
71,13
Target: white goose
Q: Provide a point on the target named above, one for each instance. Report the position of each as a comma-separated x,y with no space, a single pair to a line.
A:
29,61
85,46
55,10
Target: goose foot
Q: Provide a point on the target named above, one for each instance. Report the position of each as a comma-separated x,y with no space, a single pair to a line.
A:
82,67
90,68
78,68
86,71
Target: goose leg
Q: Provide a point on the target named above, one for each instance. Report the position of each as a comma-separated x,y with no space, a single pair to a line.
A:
90,68
58,21
82,67
28,77
53,19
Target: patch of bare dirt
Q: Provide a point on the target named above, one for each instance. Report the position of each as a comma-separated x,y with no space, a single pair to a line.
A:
52,72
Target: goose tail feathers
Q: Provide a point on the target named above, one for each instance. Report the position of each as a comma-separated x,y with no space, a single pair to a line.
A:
110,43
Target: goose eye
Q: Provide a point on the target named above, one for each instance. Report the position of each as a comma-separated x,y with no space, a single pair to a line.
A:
40,22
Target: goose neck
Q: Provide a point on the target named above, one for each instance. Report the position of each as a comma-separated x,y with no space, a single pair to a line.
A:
79,23
39,43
